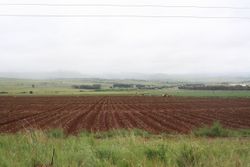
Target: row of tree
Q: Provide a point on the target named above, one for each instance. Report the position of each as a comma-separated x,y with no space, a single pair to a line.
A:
94,86
215,87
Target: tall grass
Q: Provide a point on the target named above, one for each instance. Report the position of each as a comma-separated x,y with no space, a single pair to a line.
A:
188,156
159,153
121,148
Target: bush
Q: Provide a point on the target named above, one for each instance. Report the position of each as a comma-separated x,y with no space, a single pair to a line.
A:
84,134
244,132
55,133
216,130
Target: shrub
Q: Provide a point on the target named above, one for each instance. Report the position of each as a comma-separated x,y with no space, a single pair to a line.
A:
244,132
216,130
84,134
55,133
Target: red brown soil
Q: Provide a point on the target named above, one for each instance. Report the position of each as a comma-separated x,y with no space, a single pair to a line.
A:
102,113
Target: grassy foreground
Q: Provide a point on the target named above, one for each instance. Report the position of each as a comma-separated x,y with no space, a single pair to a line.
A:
121,148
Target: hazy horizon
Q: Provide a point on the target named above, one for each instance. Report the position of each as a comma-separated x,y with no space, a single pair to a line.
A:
242,77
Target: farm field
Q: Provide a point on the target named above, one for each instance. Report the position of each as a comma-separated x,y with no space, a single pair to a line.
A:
102,113
63,87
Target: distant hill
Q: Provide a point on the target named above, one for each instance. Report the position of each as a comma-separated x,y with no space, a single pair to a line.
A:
42,75
136,76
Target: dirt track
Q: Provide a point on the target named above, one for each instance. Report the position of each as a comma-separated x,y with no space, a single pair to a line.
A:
101,113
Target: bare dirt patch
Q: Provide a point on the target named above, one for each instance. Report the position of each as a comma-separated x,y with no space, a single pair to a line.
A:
102,113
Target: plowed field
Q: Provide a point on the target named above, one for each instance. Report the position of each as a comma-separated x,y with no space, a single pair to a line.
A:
102,113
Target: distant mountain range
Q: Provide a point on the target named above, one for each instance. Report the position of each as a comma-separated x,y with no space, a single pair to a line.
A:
136,76
42,75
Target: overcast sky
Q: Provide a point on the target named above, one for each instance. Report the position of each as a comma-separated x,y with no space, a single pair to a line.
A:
142,45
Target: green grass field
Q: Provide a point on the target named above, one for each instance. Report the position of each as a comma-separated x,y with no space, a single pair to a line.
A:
18,87
122,149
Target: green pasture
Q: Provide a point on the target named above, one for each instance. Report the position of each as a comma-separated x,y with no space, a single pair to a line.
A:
23,87
121,149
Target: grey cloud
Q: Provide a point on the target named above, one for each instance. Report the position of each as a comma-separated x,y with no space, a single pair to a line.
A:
107,45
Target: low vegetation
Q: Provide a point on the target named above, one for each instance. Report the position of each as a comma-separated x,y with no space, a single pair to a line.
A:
213,87
94,86
216,130
76,87
122,148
